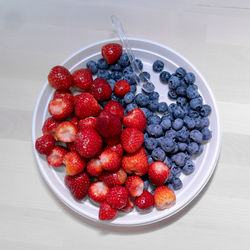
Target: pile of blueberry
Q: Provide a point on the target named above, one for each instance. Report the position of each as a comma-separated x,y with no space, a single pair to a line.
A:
176,132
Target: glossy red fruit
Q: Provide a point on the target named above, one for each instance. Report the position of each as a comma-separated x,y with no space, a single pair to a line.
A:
60,78
49,127
116,148
158,173
82,79
131,139
74,163
88,142
106,212
61,93
129,207
60,108
117,197
121,88
98,191
45,144
100,89
71,146
78,185
111,141
94,167
55,158
74,120
66,132
145,201
135,185
111,52
88,122
110,160
164,197
115,108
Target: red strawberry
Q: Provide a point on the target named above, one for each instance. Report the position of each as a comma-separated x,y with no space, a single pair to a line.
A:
88,122
60,78
129,207
71,146
100,89
116,148
110,160
78,185
76,98
86,105
74,163
106,212
131,139
116,178
88,142
145,201
164,197
111,141
94,167
61,93
49,127
66,132
136,163
108,125
55,158
111,52
135,185
45,144
117,197
98,191
74,121
158,173
60,108
115,108
82,78
121,88
135,119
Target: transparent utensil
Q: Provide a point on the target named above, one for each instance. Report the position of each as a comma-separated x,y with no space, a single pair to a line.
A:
147,86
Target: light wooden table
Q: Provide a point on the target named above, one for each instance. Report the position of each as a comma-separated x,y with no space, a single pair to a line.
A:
36,35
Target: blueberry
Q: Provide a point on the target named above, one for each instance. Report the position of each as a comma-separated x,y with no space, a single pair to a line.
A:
131,106
144,76
179,112
124,60
162,107
177,183
182,101
146,185
92,65
173,82
198,123
116,75
189,122
158,66
205,122
192,148
189,78
103,103
102,64
150,160
206,134
171,133
129,97
175,170
169,185
167,144
157,130
172,94
148,87
167,116
127,70
133,89
112,83
139,64
181,91
180,72
182,135
114,97
115,67
146,112
158,154
192,91
196,136
141,100
146,136
153,105
131,78
182,146
205,110
164,76
151,143
168,161
196,103
193,113
154,96
103,73
177,124
176,149
154,119
188,168
180,159
166,123
200,150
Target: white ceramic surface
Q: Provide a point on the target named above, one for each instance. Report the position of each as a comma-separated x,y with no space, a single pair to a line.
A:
148,52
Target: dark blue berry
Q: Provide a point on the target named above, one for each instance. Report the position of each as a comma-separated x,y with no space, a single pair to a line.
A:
153,105
130,107
142,100
192,91
182,101
189,78
133,89
150,159
131,78
188,168
92,65
180,72
177,124
175,170
158,154
193,113
129,97
182,135
103,73
205,110
151,143
112,83
180,159
164,76
127,70
173,82
139,64
177,183
168,161
144,76
116,75
179,112
206,134
162,107
102,64
158,66
167,144
189,122
124,60
196,103
192,148
148,87
182,146
172,94
115,67
154,119
181,91
166,123
146,185
154,96
196,135
146,112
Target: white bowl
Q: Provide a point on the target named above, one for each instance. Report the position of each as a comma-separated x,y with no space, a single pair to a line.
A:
148,52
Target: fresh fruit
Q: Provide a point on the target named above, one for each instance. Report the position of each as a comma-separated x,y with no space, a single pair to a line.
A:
88,142
158,173
164,197
115,108
116,148
74,163
111,52
111,141
74,120
60,108
94,167
66,132
100,89
108,125
145,201
131,139
45,144
60,78
88,122
61,93
136,163
106,212
82,78
135,185
135,119
117,197
110,160
71,146
55,158
49,127
86,105
121,88
129,207
116,178
98,191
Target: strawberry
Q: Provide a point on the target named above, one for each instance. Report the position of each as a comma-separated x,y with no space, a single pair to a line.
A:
66,132
116,178
74,120
98,191
108,125
86,105
74,163
60,108
111,52
94,167
121,88
158,173
60,78
88,142
106,212
88,122
129,207
145,201
100,89
82,78
117,197
164,197
61,93
45,144
49,127
116,148
76,98
131,139
135,119
111,141
78,185
55,158
71,146
135,185
115,108
110,160
136,163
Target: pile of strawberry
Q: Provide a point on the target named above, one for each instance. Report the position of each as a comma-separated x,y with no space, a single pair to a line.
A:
101,149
